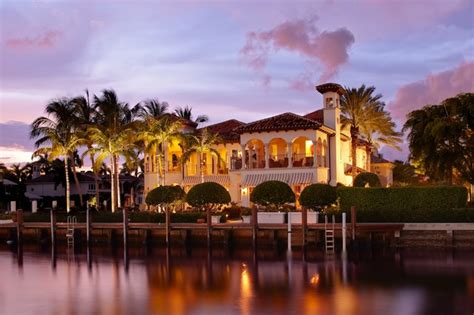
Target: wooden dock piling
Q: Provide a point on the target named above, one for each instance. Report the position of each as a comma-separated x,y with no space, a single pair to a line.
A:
353,221
125,227
53,227
88,226
254,227
304,225
19,226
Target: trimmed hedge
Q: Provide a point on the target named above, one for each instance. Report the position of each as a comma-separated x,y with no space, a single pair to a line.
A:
406,204
209,193
367,178
165,195
273,193
317,196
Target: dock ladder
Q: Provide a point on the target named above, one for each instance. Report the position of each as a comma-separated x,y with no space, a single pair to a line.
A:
329,234
71,225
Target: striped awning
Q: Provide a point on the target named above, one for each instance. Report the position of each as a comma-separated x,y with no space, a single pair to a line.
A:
194,180
289,178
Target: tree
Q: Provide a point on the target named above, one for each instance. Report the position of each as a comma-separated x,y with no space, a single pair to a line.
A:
85,115
357,106
57,138
403,173
208,194
153,108
317,196
156,134
378,128
367,179
441,138
165,196
187,113
272,193
112,134
201,143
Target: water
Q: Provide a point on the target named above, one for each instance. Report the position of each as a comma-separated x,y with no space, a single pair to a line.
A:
42,282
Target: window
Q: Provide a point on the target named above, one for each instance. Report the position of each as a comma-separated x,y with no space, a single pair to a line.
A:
329,102
91,186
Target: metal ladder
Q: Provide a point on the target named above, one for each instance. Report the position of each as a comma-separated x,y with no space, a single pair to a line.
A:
329,234
71,224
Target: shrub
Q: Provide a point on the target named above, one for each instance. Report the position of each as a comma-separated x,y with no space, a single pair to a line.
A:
406,204
165,195
318,196
207,194
272,193
367,178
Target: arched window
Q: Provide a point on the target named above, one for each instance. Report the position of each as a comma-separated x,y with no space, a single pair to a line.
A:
325,154
319,152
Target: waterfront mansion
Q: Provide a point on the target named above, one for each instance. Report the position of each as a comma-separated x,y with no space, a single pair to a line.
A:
298,150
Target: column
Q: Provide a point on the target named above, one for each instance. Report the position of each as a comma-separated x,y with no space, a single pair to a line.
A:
250,158
290,153
267,155
315,153
242,148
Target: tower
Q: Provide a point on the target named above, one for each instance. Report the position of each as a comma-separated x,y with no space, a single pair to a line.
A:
332,118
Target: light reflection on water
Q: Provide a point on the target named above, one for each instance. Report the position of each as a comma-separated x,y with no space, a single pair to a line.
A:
201,282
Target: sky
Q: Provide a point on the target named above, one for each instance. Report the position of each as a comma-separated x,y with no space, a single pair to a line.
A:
229,59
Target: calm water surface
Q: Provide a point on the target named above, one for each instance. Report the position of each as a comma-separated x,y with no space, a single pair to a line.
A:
40,281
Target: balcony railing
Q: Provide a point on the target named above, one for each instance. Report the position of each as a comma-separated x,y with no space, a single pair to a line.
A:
276,161
235,163
194,170
303,160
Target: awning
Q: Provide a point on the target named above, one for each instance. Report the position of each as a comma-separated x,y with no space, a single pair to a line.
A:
289,178
194,180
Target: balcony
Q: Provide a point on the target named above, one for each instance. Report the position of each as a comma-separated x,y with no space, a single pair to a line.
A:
194,170
303,160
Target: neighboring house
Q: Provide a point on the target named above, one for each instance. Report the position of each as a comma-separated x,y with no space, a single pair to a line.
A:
45,186
298,150
383,168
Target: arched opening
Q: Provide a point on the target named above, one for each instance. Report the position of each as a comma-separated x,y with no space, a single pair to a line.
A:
325,154
319,152
302,149
277,153
255,154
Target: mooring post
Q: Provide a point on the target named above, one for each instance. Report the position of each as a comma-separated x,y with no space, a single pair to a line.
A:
344,232
209,226
53,227
168,226
125,227
353,221
19,226
289,232
304,221
88,226
254,227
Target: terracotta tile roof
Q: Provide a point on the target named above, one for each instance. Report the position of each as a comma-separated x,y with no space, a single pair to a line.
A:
378,158
285,121
317,115
226,130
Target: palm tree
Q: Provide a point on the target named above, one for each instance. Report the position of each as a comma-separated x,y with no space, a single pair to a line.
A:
201,143
153,108
85,117
187,113
379,129
111,135
156,134
357,105
58,133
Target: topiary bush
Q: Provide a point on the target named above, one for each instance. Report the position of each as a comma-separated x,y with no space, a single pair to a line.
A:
367,179
208,194
318,196
165,195
272,193
407,204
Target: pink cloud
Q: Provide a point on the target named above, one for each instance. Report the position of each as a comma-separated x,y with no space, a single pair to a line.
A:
46,40
433,89
327,48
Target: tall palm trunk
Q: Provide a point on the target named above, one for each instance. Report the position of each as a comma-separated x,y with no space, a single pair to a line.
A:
112,185
96,180
117,181
76,181
68,188
369,156
201,167
354,137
